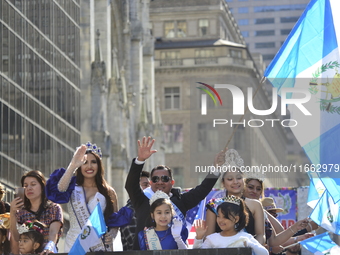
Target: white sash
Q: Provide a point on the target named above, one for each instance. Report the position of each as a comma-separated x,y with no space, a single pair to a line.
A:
151,239
148,192
78,203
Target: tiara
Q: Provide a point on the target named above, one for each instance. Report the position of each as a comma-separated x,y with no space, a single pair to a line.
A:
94,148
255,175
232,199
23,228
232,159
215,202
29,226
157,195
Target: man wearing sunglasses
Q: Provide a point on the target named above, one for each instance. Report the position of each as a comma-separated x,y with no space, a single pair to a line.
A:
161,179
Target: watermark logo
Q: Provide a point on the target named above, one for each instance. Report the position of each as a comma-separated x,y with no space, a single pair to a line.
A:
204,97
239,99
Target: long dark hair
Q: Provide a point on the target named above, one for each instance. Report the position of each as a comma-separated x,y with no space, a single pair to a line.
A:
231,210
36,236
42,181
101,184
161,201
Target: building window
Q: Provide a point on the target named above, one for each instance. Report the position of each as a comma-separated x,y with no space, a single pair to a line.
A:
181,28
177,175
203,25
204,53
171,58
172,97
235,53
175,29
170,54
237,57
243,10
207,138
169,28
243,22
285,31
173,138
265,45
245,33
289,19
275,8
264,21
264,32
205,57
268,56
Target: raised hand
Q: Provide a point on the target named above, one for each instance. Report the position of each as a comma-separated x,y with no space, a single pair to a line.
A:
144,148
16,205
176,227
301,224
79,157
200,228
220,158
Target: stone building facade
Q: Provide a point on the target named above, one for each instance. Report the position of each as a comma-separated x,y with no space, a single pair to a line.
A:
119,104
199,41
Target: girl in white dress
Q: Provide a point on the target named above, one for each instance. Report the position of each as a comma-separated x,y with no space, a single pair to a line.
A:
231,218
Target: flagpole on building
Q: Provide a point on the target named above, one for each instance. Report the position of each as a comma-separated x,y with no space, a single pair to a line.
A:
263,79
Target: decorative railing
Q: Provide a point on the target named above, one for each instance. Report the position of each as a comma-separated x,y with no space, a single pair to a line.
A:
171,62
206,61
229,251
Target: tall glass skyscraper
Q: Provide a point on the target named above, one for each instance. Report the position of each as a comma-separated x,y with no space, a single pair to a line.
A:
39,86
265,24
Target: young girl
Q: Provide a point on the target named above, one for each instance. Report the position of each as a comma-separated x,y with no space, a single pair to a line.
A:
31,237
232,180
4,242
159,236
231,218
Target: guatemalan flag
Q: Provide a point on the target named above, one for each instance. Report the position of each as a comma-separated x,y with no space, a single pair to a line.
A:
326,213
320,244
316,189
309,61
93,230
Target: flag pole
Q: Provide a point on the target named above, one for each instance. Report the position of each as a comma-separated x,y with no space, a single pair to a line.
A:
263,79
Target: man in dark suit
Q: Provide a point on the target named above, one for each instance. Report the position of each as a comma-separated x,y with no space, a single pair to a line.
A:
161,179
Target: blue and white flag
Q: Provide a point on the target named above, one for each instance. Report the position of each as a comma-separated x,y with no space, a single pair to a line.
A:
308,66
91,232
326,213
316,189
320,244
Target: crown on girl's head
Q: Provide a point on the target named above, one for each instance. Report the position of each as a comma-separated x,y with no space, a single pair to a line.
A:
255,175
232,199
157,195
94,148
29,226
232,159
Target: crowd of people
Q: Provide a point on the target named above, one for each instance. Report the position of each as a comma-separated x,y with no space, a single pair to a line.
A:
154,216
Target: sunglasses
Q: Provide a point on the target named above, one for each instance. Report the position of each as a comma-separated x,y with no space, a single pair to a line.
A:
163,178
